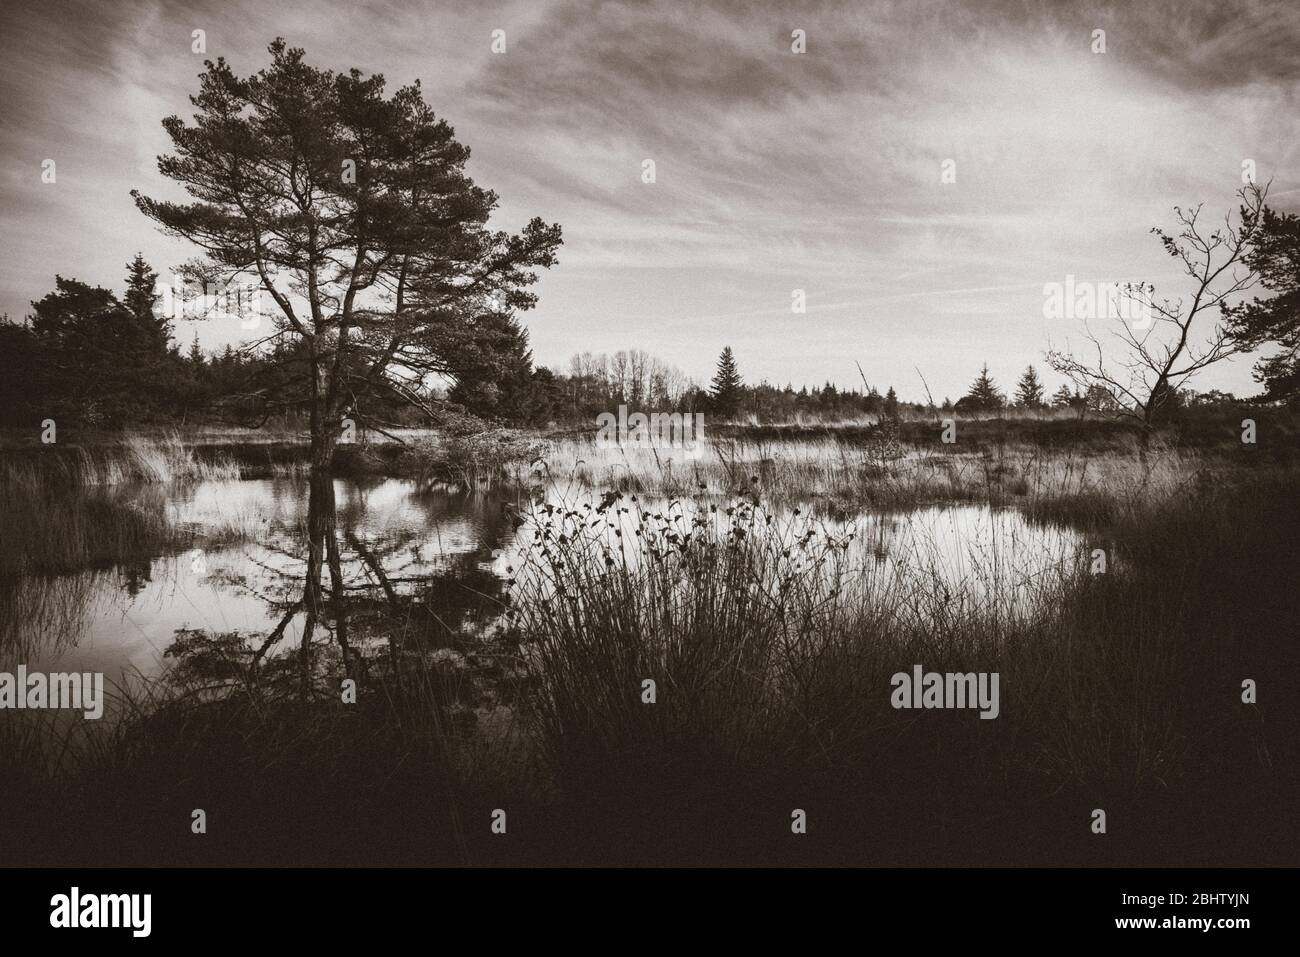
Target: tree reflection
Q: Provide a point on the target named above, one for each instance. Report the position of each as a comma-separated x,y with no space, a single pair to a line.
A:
353,601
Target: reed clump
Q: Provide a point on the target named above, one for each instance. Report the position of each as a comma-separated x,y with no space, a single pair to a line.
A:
718,656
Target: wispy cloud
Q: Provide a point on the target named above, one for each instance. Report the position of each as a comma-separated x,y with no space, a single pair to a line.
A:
775,170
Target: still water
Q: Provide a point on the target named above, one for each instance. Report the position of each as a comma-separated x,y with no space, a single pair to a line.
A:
445,552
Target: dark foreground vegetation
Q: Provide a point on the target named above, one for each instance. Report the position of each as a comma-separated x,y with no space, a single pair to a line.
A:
1121,691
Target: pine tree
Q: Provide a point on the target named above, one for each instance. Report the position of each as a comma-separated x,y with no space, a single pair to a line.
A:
727,389
1029,391
1061,398
141,295
411,216
891,403
494,369
1275,256
984,393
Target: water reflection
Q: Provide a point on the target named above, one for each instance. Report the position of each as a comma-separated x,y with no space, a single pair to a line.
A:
309,580
331,573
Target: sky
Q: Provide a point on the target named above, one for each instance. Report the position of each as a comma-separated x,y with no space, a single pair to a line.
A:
775,171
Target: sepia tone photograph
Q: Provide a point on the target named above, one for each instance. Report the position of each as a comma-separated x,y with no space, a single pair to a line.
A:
572,434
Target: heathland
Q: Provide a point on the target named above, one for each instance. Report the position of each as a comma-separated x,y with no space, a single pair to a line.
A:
652,656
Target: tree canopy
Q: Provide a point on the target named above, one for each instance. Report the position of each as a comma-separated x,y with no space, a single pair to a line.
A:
353,213
1274,255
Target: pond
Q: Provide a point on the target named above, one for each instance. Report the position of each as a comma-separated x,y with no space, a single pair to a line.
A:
446,558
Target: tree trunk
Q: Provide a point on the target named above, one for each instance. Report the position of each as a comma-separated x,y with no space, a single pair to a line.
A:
338,592
322,453
320,529
1144,441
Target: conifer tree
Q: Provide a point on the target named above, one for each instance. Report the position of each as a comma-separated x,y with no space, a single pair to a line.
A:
984,393
1029,390
727,389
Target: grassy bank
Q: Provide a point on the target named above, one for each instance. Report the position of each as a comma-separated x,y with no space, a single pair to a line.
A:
78,508
104,459
772,654
1122,692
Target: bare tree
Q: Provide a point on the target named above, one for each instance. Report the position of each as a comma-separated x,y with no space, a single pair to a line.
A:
638,377
669,384
1158,344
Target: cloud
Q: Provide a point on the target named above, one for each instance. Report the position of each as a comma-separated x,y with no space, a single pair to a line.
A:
775,170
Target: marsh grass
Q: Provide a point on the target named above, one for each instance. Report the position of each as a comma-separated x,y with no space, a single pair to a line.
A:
129,459
841,477
47,530
771,634
84,508
397,776
772,666
474,463
43,614
65,519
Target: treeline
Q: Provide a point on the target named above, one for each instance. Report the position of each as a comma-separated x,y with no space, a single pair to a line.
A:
730,398
596,383
88,356
984,395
